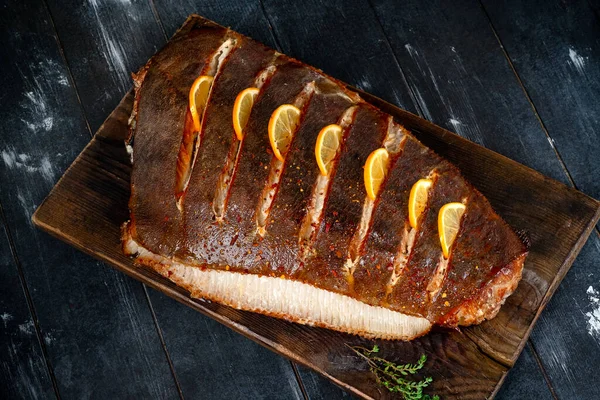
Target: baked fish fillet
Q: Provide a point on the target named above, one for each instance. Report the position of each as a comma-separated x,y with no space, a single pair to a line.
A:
230,222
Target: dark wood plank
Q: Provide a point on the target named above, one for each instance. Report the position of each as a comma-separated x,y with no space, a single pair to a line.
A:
344,40
98,330
214,362
555,48
99,182
433,79
243,16
449,53
462,80
125,45
103,44
23,370
525,380
567,336
319,388
439,46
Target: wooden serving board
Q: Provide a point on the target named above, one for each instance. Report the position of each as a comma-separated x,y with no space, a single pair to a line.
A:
89,204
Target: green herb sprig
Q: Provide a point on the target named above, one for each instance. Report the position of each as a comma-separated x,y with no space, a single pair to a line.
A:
392,376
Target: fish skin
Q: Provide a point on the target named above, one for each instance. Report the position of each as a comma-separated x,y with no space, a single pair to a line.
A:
162,108
326,106
237,74
215,244
343,209
484,240
411,291
193,238
415,162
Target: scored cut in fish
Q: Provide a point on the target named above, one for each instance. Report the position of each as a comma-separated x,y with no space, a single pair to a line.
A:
228,221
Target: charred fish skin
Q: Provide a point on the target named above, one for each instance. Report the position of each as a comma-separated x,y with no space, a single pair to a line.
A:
161,102
483,256
382,248
238,73
327,104
250,236
280,298
235,242
411,291
343,209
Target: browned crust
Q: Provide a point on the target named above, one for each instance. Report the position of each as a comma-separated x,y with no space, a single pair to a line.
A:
194,21
487,304
138,78
163,269
199,294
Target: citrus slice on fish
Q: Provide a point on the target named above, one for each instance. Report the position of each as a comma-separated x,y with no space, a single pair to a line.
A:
282,126
198,98
417,201
375,171
242,109
328,143
449,219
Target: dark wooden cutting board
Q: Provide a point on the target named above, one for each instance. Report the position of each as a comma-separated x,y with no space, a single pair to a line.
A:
89,204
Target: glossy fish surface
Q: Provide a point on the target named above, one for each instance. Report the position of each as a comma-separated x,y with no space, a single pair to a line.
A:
226,219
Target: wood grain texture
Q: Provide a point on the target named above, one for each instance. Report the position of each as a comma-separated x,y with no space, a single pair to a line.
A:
96,191
555,48
214,362
565,337
557,61
95,325
245,17
558,354
462,81
439,47
458,72
355,51
103,47
103,43
525,380
23,371
319,388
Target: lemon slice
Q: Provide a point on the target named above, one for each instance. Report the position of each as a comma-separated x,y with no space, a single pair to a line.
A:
449,224
375,171
198,98
282,126
418,200
241,110
327,146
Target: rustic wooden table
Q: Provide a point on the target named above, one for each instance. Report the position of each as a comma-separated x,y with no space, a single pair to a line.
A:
521,78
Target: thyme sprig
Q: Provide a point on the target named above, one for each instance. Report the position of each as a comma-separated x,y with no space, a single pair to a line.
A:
392,376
